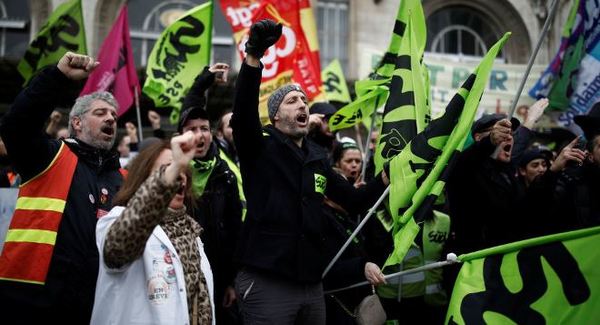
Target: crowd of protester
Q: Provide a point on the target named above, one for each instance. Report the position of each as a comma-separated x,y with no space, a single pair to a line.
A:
230,222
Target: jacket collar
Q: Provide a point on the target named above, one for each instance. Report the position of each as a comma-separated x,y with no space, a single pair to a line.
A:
97,158
309,151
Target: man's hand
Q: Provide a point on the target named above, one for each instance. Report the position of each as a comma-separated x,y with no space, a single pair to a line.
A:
569,153
55,117
315,121
373,274
154,119
535,112
76,66
220,70
229,297
501,132
131,132
263,34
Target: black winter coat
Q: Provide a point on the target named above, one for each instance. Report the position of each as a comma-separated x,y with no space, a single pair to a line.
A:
68,294
285,186
484,200
219,212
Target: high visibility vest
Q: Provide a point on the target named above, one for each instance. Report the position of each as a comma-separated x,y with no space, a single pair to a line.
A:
32,233
238,177
427,283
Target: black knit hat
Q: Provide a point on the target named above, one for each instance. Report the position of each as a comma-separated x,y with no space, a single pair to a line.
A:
534,153
590,123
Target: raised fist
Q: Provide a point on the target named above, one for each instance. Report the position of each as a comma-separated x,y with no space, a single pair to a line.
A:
76,66
263,34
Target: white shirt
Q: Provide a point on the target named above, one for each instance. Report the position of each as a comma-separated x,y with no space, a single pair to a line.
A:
150,290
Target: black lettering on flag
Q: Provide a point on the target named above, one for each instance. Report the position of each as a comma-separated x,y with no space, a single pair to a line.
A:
393,141
399,28
337,119
517,306
332,83
173,62
43,45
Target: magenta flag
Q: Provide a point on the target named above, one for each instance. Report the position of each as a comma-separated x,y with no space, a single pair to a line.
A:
116,72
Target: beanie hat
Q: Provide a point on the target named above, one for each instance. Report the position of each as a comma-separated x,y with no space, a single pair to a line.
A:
277,97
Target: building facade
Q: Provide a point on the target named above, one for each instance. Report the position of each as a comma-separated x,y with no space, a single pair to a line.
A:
356,32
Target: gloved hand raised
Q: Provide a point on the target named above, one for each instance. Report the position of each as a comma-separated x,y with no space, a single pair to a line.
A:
263,34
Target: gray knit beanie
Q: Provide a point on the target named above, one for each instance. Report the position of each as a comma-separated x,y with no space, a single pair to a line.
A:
277,97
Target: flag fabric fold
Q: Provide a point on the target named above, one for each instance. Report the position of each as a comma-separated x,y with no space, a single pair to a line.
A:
178,56
116,72
546,280
63,32
419,172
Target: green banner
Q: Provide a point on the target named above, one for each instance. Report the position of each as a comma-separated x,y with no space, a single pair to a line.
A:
546,280
359,109
63,32
178,56
406,111
418,174
334,83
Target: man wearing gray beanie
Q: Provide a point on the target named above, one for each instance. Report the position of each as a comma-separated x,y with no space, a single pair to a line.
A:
286,179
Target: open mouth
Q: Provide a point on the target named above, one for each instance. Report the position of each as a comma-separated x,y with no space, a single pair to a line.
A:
302,119
108,130
507,148
354,173
181,189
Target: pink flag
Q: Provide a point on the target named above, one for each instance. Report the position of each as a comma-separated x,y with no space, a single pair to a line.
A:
116,72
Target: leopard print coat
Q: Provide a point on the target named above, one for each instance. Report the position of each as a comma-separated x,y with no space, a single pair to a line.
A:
126,239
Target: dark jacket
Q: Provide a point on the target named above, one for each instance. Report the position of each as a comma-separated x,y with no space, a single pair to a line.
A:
285,186
219,212
567,200
68,294
484,198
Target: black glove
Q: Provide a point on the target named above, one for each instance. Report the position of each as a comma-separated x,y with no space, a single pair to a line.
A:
263,34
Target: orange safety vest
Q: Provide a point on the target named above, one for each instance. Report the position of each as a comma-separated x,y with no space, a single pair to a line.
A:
32,233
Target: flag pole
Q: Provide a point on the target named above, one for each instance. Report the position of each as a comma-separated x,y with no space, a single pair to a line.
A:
450,259
368,140
543,33
360,226
137,111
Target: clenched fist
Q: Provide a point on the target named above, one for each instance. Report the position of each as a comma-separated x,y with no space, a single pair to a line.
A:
76,66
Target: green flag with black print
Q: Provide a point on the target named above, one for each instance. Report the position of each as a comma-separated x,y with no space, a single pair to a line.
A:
406,111
546,280
63,32
419,173
334,83
178,56
380,87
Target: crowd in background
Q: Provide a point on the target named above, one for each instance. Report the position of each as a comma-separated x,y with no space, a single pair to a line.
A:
227,222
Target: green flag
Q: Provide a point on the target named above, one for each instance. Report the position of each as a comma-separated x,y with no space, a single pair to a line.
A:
406,111
180,53
334,83
62,32
374,92
546,280
418,174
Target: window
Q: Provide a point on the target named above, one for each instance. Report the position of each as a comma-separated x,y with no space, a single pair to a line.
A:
332,28
459,31
14,29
